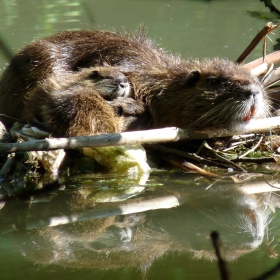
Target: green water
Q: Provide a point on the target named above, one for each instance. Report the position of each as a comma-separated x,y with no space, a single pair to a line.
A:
171,243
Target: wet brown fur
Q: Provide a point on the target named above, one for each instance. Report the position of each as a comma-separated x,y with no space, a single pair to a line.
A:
75,111
70,105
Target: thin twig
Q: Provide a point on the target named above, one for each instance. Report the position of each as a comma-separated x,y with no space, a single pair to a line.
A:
269,27
252,149
223,159
269,59
218,251
191,156
273,78
11,118
182,164
271,185
259,160
8,165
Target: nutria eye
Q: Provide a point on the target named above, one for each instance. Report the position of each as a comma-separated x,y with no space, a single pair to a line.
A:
193,78
213,80
94,74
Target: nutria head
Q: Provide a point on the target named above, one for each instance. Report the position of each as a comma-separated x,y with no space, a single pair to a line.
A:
108,81
211,93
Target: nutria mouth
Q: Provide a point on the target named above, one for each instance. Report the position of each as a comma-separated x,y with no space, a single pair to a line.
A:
250,115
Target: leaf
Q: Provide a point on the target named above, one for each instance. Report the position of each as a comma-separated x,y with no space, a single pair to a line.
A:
267,3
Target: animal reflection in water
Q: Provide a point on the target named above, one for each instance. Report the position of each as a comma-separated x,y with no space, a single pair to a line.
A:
137,240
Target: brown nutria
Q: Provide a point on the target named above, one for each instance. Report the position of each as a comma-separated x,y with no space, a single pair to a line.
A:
183,93
68,91
73,104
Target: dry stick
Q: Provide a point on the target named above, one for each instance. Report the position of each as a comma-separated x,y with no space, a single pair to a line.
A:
259,160
234,145
269,27
252,149
218,250
11,118
259,70
223,159
172,134
272,185
191,156
274,77
269,59
182,164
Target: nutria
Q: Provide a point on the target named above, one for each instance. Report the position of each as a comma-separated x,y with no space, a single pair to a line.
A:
72,104
183,93
68,90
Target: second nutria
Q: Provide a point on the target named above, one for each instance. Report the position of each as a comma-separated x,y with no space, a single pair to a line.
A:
74,104
183,93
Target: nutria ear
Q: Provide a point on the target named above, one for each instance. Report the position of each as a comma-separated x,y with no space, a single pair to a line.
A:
194,78
93,74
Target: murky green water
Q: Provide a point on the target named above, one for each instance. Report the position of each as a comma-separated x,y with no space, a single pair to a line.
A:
164,233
